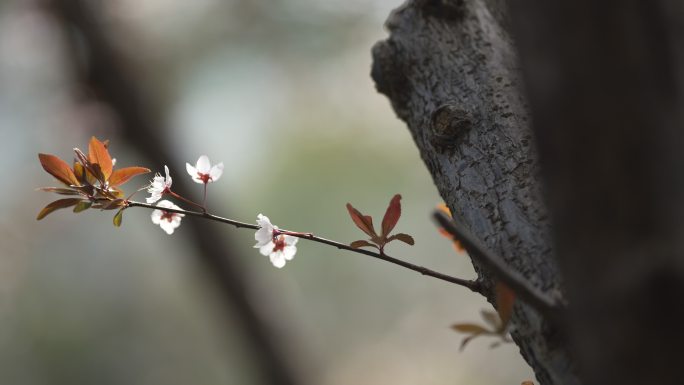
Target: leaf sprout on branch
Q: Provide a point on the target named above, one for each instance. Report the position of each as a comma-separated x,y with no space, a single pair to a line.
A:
92,182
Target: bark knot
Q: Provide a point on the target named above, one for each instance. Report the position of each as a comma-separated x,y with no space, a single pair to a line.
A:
448,125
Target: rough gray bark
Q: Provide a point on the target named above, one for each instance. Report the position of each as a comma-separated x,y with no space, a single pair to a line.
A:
450,70
606,81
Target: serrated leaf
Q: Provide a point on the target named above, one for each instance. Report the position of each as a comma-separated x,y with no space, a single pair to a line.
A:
56,205
392,215
82,206
505,299
469,328
402,237
59,190
123,175
118,218
362,243
58,168
98,154
363,222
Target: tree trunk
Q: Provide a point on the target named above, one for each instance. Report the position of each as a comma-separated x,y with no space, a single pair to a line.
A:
606,80
451,72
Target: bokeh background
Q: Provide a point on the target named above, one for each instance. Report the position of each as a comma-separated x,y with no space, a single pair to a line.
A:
280,92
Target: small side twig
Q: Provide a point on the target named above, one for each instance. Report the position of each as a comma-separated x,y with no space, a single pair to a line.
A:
472,285
545,304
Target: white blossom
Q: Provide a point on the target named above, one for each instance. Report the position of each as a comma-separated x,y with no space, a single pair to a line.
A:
280,248
203,171
167,220
159,186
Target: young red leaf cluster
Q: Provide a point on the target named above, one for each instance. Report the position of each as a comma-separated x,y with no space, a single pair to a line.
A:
389,221
91,182
496,324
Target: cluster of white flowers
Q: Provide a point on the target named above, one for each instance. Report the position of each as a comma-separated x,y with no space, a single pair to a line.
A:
279,247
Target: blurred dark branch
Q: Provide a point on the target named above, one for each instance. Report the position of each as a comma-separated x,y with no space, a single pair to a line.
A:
104,72
472,285
522,288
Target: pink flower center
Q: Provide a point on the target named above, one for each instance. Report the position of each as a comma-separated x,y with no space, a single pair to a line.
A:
279,242
167,215
205,178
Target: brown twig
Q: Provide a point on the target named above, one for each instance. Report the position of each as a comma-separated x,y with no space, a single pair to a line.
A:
472,285
531,295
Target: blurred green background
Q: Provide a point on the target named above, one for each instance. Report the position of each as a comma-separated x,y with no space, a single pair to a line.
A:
280,92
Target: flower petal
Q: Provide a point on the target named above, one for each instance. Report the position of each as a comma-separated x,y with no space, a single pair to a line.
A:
264,222
216,172
168,180
191,170
267,249
263,236
153,198
277,259
167,226
165,204
290,240
203,164
289,252
156,216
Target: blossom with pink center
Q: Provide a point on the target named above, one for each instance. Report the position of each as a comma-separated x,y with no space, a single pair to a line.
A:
203,171
159,186
167,220
280,248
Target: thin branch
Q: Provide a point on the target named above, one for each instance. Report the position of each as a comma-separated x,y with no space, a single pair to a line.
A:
100,67
526,292
472,285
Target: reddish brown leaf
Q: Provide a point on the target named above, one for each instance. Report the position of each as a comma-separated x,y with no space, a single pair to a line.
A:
113,204
85,190
363,222
116,192
97,153
122,175
505,298
469,328
81,157
96,171
391,215
361,243
467,340
402,237
56,205
59,190
58,168
83,175
527,383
